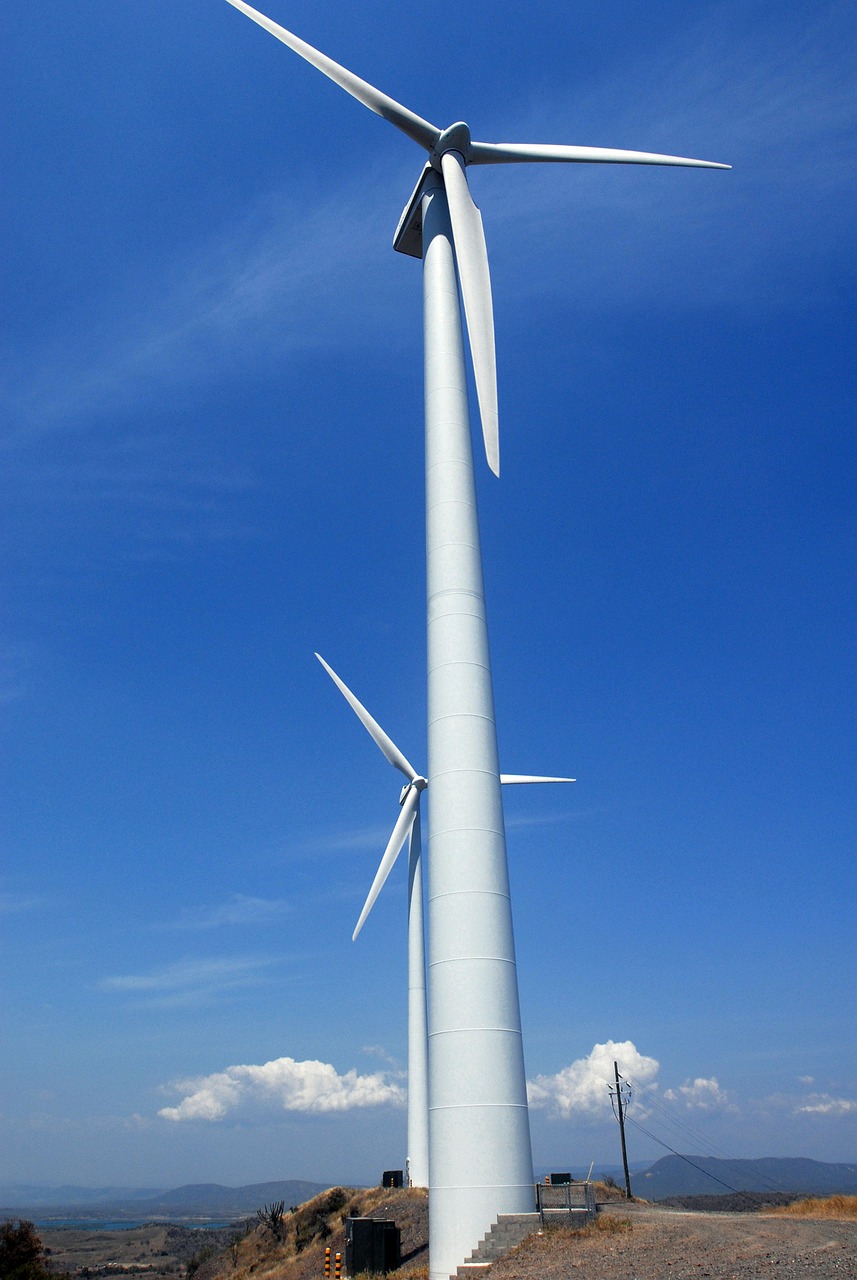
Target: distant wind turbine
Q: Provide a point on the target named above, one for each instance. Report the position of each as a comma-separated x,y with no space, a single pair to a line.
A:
480,1156
408,828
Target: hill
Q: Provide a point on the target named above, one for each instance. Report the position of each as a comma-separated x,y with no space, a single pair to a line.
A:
674,1176
320,1224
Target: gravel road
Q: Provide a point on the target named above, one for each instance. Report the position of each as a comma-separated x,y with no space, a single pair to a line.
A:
665,1244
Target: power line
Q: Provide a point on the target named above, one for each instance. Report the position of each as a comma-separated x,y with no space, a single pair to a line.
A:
656,1101
686,1159
683,1128
616,1101
678,1124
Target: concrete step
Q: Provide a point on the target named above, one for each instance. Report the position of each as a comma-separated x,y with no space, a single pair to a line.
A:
507,1232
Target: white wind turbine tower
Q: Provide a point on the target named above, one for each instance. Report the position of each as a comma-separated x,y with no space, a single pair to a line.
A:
480,1162
408,828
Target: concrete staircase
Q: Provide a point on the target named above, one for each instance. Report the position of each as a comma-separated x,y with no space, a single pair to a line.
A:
507,1232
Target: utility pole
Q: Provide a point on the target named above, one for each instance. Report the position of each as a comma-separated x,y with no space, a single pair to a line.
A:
616,1092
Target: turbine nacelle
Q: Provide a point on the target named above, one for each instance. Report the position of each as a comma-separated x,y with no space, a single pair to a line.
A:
419,783
450,151
407,824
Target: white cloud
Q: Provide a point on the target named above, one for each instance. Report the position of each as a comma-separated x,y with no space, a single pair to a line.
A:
806,1079
822,1104
581,1088
701,1094
281,1085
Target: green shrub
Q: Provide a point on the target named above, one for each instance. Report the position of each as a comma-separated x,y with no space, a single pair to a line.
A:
311,1220
22,1256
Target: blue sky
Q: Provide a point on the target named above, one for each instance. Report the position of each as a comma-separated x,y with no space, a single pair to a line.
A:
212,466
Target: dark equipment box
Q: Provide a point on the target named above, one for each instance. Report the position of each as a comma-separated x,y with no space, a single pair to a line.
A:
372,1244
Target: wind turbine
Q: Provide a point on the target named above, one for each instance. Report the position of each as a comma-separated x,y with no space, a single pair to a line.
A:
408,828
480,1155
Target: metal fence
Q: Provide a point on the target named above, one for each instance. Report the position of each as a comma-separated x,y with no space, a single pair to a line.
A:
569,1200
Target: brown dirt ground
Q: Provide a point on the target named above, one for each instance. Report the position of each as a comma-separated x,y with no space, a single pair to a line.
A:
664,1244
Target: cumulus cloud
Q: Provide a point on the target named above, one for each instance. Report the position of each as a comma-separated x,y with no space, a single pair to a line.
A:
282,1085
822,1104
700,1094
581,1088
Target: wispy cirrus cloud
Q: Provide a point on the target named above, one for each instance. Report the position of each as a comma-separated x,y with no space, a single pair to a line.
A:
355,839
210,314
254,1092
778,109
517,822
192,981
18,904
238,909
287,260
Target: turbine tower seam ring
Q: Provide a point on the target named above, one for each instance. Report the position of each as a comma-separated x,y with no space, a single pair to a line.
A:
470,1106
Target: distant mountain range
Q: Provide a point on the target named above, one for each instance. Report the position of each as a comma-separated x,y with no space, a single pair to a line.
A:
22,1193
207,1200
675,1176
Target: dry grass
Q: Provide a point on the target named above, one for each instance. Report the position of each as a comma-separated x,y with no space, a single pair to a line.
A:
608,1191
606,1225
819,1207
319,1224
547,1242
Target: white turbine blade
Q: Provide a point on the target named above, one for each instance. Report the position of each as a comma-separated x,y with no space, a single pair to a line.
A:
413,125
385,743
472,256
415,842
526,777
521,152
403,825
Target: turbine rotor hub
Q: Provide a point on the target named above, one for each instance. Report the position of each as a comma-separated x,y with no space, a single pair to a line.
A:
419,782
455,138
